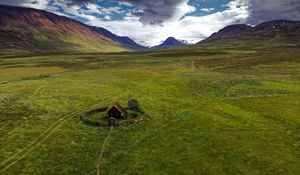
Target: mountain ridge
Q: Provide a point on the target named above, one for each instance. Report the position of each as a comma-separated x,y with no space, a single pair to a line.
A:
266,29
169,42
34,30
125,41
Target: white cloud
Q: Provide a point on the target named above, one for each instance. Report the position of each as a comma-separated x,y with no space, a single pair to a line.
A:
38,4
72,11
207,9
125,4
107,17
190,28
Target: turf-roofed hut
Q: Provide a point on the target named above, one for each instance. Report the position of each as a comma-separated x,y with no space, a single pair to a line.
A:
116,112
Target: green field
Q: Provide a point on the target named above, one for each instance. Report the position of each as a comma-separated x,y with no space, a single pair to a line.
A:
211,111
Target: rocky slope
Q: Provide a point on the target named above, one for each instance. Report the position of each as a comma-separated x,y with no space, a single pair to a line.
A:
229,32
32,30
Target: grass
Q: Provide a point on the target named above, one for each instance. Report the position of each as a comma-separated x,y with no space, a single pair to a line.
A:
45,41
254,42
212,112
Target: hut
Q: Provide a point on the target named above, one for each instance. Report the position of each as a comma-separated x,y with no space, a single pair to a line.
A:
116,111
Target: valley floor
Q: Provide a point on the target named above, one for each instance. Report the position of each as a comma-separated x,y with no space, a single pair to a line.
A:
212,112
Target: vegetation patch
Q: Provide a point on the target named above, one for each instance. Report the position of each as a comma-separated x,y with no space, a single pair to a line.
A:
100,116
179,53
39,77
239,88
8,74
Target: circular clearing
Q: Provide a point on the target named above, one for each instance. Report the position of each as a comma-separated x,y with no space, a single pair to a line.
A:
97,117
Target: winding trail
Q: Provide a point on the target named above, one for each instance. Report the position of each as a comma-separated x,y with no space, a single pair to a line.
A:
45,135
98,165
22,153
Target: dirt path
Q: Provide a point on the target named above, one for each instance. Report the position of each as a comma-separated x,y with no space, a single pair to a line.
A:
193,65
22,153
46,134
98,165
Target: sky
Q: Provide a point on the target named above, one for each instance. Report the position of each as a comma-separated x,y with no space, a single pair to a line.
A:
149,22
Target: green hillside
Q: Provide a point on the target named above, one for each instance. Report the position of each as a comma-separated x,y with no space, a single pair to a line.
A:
31,30
255,42
41,40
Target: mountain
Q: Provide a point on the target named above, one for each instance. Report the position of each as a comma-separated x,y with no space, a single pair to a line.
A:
31,30
273,28
229,32
268,34
170,42
125,41
267,29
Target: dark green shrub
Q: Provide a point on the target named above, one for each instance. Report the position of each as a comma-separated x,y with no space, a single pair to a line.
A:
134,105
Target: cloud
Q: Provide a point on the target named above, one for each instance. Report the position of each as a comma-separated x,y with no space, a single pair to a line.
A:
266,10
43,4
157,12
15,2
207,9
79,2
74,10
190,28
38,4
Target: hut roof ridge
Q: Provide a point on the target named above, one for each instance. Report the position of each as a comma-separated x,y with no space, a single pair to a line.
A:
118,106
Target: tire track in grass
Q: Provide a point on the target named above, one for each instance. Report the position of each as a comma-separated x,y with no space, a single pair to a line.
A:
34,94
98,164
48,132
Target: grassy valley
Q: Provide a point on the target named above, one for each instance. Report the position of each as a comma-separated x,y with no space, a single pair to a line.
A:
212,110
228,105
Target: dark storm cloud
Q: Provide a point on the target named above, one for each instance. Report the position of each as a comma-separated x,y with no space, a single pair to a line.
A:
20,2
154,12
266,10
14,2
